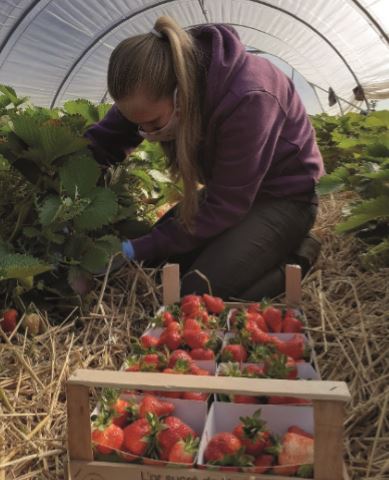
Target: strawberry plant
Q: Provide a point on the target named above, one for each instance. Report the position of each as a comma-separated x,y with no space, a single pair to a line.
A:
64,216
360,145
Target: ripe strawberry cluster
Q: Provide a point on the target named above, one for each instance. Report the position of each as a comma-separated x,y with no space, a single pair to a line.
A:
255,325
273,366
177,362
142,431
255,351
181,337
252,447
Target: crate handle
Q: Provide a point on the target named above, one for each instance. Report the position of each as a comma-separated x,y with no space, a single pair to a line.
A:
171,283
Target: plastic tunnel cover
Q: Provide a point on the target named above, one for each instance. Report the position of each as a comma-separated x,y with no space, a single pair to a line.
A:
53,50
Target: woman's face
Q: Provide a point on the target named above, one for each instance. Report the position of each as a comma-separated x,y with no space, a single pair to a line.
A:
149,114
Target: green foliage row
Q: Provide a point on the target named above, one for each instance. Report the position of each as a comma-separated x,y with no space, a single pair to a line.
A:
355,149
62,215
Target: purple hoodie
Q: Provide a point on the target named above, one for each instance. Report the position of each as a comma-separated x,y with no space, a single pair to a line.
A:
258,141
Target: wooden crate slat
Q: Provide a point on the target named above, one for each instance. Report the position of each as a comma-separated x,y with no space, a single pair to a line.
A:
312,389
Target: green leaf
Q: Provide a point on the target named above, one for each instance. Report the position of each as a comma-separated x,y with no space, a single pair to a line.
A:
79,174
4,101
16,265
53,237
329,184
110,244
47,142
159,176
5,249
75,246
95,259
378,119
377,256
99,212
144,177
31,232
10,94
103,109
80,281
366,211
49,210
83,107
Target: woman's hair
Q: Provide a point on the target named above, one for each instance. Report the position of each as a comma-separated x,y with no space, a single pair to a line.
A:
158,66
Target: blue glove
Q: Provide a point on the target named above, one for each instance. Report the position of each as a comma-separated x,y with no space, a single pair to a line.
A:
128,250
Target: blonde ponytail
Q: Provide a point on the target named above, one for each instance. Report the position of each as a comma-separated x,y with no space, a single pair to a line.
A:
159,65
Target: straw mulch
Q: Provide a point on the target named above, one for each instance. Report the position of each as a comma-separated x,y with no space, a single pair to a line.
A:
348,315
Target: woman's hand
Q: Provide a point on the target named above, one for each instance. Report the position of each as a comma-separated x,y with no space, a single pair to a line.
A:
128,250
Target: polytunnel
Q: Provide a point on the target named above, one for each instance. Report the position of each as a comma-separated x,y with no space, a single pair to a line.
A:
54,50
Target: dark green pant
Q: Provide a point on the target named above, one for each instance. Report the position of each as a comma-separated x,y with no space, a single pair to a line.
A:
246,260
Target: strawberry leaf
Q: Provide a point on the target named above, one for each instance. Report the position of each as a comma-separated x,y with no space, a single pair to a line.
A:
102,208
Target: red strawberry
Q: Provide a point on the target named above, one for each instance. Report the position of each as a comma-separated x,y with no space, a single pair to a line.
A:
8,324
169,370
173,327
221,445
179,355
151,404
115,407
192,324
167,318
213,304
195,339
254,308
132,364
198,396
137,436
148,341
244,399
150,362
196,370
190,298
259,320
235,353
252,432
175,430
184,451
108,438
296,450
192,307
205,318
291,324
259,336
263,463
256,371
273,318
202,354
121,413
299,431
172,339
292,348
170,394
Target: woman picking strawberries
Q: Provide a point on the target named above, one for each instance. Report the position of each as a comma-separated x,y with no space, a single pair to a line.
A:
233,123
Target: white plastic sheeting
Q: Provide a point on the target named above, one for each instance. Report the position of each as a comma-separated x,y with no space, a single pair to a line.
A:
53,50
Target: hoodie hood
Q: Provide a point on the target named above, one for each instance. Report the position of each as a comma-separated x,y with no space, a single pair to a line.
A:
224,57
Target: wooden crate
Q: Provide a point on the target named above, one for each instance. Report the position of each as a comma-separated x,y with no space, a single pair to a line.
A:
329,399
